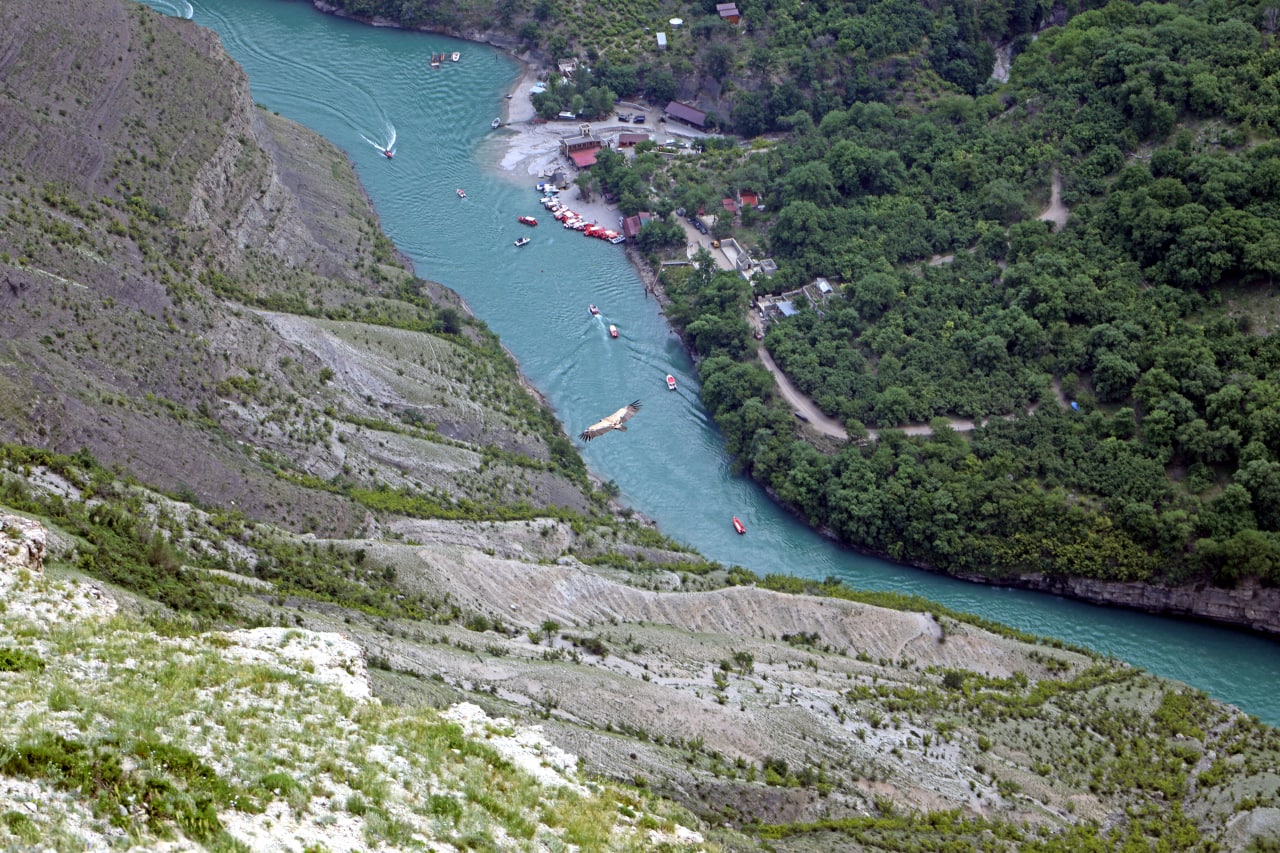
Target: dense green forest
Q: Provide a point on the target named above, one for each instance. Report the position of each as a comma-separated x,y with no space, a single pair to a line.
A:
1124,366
1151,310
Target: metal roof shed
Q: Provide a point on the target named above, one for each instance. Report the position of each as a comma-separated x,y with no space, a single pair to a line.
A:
687,114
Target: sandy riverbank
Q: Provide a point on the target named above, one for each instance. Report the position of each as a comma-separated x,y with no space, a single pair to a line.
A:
533,149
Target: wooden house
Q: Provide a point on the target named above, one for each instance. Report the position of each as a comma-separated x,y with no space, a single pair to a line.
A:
728,12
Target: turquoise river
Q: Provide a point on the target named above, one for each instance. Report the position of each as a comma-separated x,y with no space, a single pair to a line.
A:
356,84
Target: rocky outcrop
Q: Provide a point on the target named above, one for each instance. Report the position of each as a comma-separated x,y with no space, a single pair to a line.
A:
22,544
1249,605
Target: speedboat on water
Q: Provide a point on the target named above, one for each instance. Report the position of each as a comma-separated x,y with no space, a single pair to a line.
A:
738,526
388,153
526,220
613,331
522,241
671,382
455,56
595,312
462,193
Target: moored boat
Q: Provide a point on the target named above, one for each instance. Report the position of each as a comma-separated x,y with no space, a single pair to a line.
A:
462,193
496,123
671,382
522,241
526,220
455,56
738,526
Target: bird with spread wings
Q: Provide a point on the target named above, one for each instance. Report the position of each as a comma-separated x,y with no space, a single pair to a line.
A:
618,420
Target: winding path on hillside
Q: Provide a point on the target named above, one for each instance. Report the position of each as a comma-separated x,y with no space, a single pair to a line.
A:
808,411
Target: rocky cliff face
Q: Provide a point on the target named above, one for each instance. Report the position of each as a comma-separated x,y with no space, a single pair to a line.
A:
1249,605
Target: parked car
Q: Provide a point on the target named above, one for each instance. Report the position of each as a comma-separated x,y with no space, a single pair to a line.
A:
639,119
702,229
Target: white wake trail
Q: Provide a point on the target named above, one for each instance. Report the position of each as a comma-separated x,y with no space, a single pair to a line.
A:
389,145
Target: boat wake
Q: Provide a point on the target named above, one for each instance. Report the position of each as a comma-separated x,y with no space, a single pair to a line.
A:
174,8
389,135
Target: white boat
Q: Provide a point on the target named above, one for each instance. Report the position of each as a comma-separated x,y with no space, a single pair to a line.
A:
595,312
522,241
613,331
455,56
496,123
671,382
462,193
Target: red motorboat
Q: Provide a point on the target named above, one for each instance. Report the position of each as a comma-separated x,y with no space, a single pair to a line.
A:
462,193
671,382
388,153
527,220
738,526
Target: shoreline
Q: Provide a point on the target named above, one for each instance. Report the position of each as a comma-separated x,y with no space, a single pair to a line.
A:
531,147
519,114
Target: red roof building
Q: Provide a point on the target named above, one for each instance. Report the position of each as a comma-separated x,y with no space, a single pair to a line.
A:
748,198
632,224
629,140
581,150
729,204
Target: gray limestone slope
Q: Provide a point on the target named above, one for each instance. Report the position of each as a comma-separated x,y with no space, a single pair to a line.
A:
197,291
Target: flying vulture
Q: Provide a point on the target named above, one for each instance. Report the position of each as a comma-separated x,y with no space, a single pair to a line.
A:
618,420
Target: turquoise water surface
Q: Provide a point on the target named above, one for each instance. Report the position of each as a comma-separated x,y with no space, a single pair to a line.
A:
360,85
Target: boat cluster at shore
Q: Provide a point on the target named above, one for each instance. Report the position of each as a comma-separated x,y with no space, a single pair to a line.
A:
570,219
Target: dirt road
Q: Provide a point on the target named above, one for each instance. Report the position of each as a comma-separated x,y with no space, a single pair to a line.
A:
1056,212
802,405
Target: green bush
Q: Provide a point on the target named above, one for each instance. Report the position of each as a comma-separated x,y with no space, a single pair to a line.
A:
20,660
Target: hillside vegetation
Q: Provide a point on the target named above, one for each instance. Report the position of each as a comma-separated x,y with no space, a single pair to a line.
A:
197,292
166,680
1121,369
1139,336
293,561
